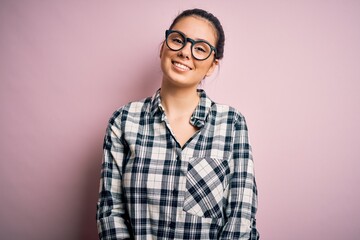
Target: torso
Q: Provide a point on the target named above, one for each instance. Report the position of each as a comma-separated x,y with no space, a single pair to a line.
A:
161,178
182,128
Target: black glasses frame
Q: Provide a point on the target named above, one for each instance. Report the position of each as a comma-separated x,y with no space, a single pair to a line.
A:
186,40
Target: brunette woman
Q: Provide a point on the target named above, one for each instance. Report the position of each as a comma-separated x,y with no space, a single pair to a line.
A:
178,165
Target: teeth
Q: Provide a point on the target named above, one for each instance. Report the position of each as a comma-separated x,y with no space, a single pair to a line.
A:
181,66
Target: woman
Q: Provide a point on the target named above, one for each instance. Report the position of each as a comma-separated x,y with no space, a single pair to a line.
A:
177,165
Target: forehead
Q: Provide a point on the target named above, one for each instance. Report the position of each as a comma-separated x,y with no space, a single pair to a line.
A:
197,28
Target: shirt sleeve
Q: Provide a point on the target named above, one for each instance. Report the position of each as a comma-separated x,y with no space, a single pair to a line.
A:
242,201
112,222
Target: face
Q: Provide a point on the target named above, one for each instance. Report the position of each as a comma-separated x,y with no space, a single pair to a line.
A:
180,68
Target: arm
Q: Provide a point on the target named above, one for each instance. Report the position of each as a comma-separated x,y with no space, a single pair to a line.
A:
111,215
242,202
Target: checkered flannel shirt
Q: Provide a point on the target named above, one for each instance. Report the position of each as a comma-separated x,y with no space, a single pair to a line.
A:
152,188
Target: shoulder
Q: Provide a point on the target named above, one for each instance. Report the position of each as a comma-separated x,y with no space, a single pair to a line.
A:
132,109
228,112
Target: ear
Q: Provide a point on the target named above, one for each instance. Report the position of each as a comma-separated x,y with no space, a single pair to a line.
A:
212,67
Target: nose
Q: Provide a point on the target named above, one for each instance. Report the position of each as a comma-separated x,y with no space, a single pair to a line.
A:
186,50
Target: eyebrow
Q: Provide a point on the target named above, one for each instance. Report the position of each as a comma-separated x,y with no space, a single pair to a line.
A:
196,39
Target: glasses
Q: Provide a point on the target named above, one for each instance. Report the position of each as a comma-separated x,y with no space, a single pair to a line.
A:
200,50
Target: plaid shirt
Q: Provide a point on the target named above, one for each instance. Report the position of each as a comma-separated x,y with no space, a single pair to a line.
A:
152,188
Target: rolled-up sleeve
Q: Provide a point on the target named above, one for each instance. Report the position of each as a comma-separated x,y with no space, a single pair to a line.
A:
242,199
111,213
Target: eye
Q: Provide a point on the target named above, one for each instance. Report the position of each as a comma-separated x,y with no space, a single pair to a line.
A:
177,40
200,49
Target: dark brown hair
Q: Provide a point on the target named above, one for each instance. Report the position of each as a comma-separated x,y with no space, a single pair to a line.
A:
213,20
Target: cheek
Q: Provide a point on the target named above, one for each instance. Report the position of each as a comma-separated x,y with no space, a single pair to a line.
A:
164,56
165,53
165,60
204,66
162,49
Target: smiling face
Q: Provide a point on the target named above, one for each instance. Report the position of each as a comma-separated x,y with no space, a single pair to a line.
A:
180,68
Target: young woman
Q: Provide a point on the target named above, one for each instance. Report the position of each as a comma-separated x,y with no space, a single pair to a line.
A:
178,165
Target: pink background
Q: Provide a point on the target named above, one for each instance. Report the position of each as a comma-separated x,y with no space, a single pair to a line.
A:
291,67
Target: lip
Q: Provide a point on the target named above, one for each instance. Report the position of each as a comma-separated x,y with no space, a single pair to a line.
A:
173,63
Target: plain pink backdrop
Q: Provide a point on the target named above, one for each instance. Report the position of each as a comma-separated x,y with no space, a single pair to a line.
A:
291,67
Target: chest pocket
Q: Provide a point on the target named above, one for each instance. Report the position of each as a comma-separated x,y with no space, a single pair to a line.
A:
206,182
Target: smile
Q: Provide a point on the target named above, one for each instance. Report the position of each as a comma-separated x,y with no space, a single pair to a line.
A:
181,66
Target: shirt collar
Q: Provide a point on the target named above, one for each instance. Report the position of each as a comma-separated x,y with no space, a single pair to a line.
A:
200,113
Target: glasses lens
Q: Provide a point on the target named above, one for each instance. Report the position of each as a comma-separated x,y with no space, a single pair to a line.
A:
175,41
201,50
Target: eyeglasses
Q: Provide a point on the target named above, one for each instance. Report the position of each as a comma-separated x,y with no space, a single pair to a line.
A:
200,50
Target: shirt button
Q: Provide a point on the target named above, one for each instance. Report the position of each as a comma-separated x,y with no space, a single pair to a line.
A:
172,225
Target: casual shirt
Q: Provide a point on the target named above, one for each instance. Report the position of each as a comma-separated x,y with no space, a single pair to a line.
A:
153,188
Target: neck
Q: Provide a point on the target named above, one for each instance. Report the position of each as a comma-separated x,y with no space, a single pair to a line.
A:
179,100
